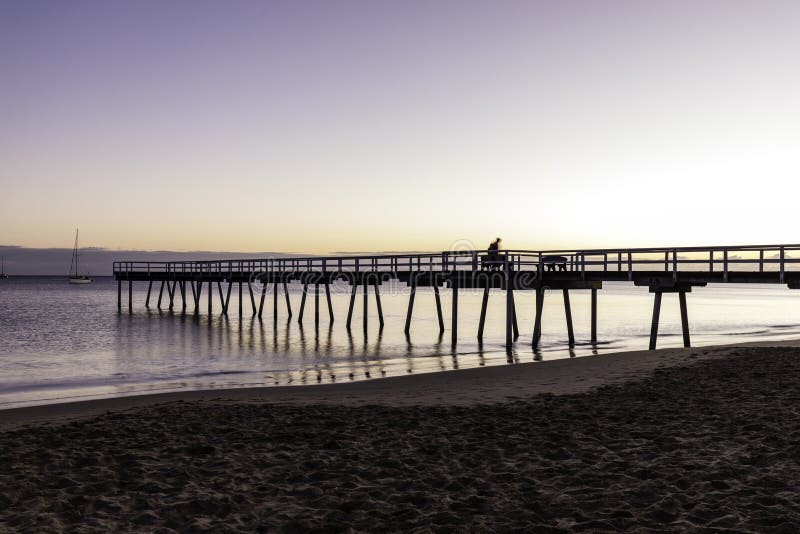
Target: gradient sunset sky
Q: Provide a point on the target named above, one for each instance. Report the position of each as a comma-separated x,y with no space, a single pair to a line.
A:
319,126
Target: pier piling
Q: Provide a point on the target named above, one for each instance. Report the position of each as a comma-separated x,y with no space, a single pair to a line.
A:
654,325
316,305
537,322
454,318
219,290
482,321
302,303
275,301
328,298
411,296
378,303
252,298
514,316
509,315
353,288
594,316
288,302
568,312
438,306
227,300
149,288
684,319
261,300
366,304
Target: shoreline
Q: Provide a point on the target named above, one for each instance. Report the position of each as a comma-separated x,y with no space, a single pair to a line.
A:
460,387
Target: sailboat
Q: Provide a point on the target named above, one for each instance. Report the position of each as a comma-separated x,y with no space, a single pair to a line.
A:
74,277
3,268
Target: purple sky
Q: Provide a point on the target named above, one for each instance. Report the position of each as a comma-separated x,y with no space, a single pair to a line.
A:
342,125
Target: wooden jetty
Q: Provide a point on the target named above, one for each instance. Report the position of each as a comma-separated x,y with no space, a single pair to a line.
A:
662,270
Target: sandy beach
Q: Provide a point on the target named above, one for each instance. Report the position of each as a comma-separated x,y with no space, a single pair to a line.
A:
671,440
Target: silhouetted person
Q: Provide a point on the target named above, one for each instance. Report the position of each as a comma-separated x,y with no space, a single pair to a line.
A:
493,256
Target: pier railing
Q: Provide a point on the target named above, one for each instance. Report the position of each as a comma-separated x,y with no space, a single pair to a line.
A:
753,258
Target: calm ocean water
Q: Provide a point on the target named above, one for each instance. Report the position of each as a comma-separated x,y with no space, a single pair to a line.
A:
63,342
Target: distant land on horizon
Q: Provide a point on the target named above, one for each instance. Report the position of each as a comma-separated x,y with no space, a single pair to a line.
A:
22,261
98,261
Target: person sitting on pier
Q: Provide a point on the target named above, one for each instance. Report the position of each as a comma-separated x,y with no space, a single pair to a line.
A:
493,257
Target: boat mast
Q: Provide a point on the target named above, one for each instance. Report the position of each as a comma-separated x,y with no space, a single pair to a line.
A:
76,253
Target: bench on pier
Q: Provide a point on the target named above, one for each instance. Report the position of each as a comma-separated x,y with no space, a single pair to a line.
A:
551,262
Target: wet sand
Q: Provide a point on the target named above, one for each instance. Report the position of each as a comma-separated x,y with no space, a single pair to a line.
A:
672,440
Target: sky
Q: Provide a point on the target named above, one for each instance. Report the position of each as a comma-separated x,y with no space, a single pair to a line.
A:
318,126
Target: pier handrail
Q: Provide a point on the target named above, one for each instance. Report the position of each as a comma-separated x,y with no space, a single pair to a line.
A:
630,260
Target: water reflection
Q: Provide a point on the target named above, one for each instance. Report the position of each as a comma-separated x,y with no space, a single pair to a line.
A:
153,349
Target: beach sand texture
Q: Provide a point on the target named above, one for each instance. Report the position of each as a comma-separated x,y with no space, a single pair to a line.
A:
670,440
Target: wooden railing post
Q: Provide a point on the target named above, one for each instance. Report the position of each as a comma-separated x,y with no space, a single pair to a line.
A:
674,264
630,266
725,265
783,258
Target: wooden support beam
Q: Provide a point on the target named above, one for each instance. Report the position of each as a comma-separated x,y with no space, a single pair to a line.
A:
210,298
438,306
160,293
594,316
514,316
119,294
261,301
288,302
454,314
252,299
240,298
302,303
227,299
568,312
509,314
353,289
199,287
380,307
654,325
275,301
219,289
316,304
484,304
410,310
130,295
684,319
330,302
147,300
537,322
171,294
182,285
366,304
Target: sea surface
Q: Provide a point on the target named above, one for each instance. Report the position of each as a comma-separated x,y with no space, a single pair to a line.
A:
62,342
